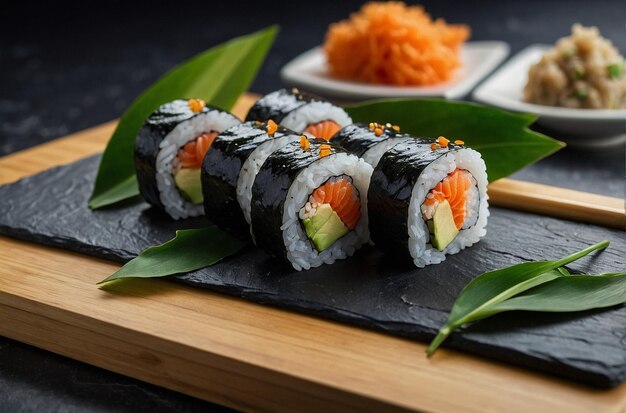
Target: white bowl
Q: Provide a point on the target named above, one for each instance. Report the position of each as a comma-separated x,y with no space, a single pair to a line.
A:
309,71
578,127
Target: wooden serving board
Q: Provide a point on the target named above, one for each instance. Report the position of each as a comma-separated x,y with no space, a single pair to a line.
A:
236,353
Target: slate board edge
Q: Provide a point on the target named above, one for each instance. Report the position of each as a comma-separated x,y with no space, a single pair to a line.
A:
458,340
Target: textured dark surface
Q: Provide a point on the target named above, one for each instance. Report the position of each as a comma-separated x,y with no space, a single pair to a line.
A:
66,67
370,289
54,204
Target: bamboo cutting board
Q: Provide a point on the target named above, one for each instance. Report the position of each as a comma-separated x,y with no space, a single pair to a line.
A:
237,353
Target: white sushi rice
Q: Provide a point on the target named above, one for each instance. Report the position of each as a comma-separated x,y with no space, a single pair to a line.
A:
313,112
300,250
167,161
477,207
251,167
372,155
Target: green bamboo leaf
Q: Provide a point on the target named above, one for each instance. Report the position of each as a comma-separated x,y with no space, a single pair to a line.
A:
125,189
571,293
483,293
503,138
218,75
190,250
563,271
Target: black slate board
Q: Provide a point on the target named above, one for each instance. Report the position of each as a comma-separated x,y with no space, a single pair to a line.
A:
369,289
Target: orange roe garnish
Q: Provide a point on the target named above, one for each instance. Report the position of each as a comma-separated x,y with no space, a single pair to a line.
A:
433,146
459,142
443,141
192,154
272,127
324,150
378,131
392,43
304,143
196,105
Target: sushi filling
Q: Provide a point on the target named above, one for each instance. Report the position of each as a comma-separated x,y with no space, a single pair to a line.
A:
450,207
187,169
323,130
333,210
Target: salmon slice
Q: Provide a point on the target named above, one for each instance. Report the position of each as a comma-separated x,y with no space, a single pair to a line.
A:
343,199
453,188
192,154
323,130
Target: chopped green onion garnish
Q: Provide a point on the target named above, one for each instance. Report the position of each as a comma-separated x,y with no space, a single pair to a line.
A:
580,93
615,70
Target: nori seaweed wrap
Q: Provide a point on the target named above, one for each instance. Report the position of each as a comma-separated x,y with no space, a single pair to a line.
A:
300,112
230,167
411,180
369,141
160,158
286,185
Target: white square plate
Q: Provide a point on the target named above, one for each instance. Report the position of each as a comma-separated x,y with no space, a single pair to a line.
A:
309,71
581,127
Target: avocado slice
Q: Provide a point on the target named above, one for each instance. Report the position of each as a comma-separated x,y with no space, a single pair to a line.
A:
324,228
188,182
442,227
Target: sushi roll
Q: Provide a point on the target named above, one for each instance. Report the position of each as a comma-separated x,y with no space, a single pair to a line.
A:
301,113
428,199
169,150
371,141
230,167
309,204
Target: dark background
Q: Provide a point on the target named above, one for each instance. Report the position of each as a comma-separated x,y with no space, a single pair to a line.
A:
65,67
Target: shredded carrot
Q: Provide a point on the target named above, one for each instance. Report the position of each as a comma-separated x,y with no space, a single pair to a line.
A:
272,127
392,43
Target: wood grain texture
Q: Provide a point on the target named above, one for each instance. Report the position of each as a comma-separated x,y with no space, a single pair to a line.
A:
240,354
558,202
